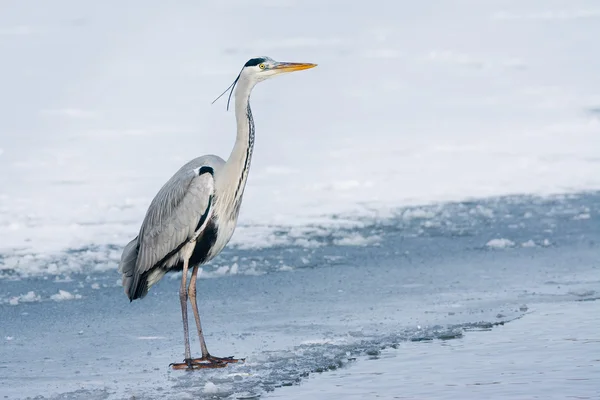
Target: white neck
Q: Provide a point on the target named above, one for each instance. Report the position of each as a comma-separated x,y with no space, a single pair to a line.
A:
238,164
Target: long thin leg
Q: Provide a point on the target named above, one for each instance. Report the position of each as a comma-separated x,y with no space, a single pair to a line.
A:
192,296
183,299
186,335
206,361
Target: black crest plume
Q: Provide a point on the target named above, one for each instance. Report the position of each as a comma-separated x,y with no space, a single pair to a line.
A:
250,63
232,86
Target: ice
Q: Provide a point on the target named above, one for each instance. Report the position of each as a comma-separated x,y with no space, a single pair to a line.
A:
215,271
321,341
529,243
357,240
150,337
234,269
582,216
368,302
211,388
483,211
63,295
29,297
501,243
418,213
522,352
221,270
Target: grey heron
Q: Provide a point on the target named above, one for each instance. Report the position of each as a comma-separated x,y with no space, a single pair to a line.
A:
193,216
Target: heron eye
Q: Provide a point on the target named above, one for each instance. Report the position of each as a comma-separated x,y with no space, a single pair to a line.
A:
261,66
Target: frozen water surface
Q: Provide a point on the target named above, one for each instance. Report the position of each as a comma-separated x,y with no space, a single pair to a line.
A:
424,291
528,358
421,220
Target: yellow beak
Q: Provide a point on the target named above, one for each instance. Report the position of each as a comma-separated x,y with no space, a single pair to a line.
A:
290,67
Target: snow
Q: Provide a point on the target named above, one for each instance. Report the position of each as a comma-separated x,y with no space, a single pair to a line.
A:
398,113
32,297
234,269
582,216
500,243
70,113
16,30
63,295
418,213
150,337
29,297
211,388
550,15
357,239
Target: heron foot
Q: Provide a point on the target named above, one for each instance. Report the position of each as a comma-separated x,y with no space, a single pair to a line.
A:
207,362
213,359
192,364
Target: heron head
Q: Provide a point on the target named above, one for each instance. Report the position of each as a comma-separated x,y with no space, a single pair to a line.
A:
261,68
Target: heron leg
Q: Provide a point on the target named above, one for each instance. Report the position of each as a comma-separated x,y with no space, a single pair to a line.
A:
183,296
192,296
206,361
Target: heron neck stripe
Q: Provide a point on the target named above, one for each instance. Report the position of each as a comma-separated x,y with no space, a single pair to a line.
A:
205,215
248,151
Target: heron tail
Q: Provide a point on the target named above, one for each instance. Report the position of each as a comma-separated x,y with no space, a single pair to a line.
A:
127,267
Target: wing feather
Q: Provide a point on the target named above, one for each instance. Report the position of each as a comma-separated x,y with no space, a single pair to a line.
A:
173,216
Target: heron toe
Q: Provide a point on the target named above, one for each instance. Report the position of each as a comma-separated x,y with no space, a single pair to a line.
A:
198,363
220,360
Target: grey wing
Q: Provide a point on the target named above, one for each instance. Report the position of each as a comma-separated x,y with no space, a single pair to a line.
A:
180,209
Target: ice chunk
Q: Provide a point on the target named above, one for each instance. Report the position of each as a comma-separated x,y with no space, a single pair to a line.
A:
500,243
210,387
29,297
64,295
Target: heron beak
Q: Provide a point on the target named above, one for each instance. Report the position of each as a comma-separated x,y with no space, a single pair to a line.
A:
291,67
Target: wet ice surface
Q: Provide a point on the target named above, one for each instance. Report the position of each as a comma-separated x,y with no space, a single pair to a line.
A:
430,287
552,353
